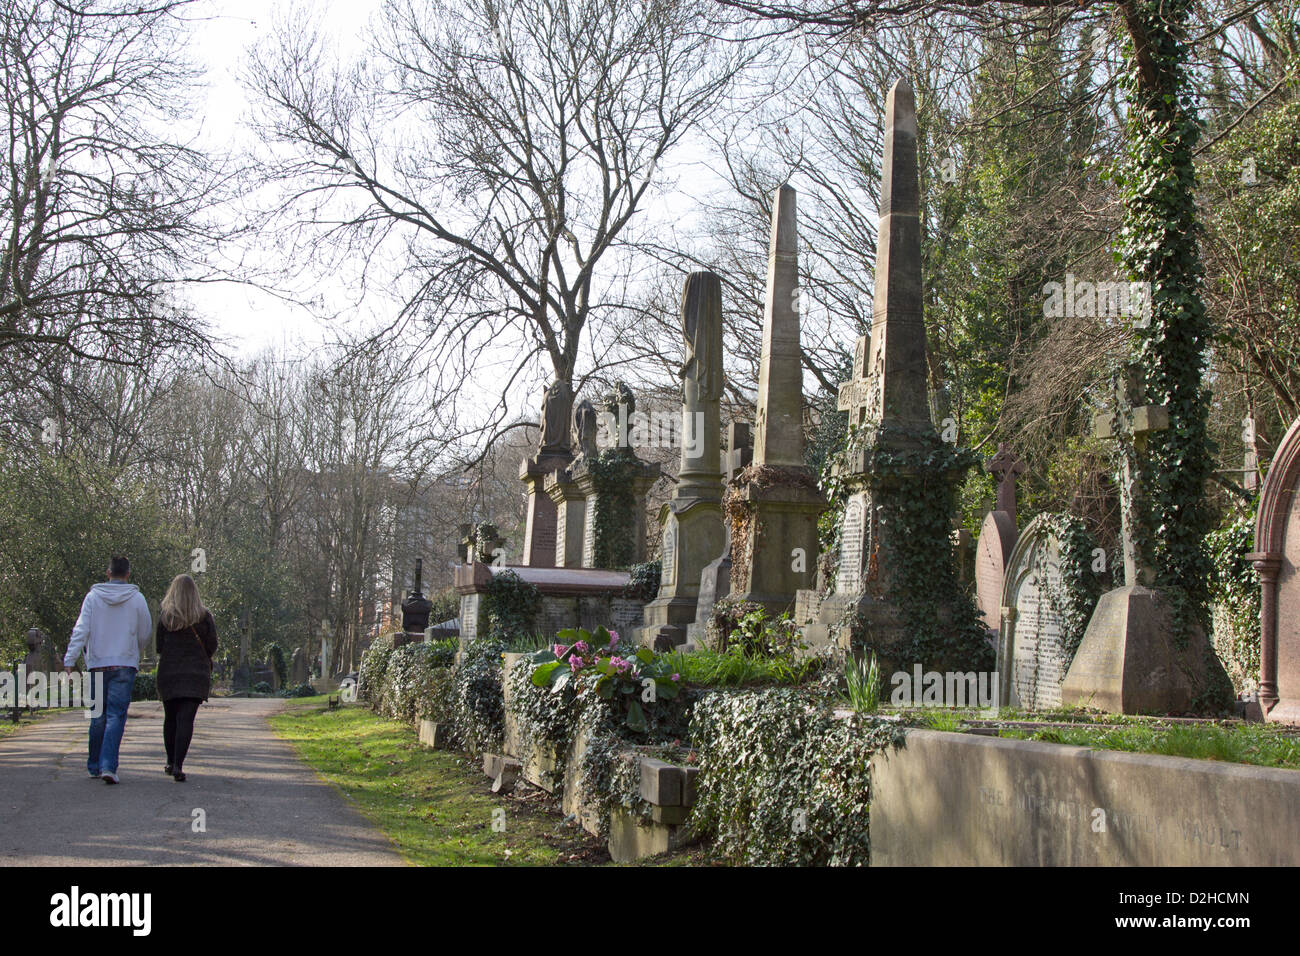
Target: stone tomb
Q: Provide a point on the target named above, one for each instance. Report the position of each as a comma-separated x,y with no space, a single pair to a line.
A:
1031,654
1277,557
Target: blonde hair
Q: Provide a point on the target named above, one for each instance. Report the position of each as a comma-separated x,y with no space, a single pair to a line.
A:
182,606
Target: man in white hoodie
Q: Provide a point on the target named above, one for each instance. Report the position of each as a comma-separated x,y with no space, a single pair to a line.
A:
113,629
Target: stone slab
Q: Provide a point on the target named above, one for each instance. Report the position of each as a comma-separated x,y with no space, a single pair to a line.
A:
661,782
948,799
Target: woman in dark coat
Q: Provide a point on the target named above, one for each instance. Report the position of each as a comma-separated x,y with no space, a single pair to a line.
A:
186,641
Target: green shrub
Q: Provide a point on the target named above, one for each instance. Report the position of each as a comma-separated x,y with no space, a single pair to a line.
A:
374,666
510,606
643,581
416,684
736,668
477,706
302,690
782,781
146,686
261,687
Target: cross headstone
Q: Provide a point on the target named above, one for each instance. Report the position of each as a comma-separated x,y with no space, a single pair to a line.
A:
740,449
1006,467
853,394
1145,419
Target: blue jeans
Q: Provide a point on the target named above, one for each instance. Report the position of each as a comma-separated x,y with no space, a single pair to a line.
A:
106,729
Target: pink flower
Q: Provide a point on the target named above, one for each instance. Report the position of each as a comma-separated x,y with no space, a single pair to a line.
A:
575,663
677,677
581,647
557,649
613,639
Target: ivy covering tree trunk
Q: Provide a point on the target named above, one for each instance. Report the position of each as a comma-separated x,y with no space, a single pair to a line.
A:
1158,245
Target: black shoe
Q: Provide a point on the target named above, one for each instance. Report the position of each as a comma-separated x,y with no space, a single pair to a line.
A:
178,776
168,770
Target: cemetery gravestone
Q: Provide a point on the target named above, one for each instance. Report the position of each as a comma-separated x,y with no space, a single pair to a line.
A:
775,554
553,452
299,673
997,537
693,529
1130,660
1032,659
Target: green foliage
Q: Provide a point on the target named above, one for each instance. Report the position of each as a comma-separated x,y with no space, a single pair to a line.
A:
146,686
261,687
302,690
915,492
626,680
510,606
374,669
862,677
1081,587
417,684
278,664
614,515
477,706
734,667
643,581
1235,590
782,781
1159,244
1263,746
61,519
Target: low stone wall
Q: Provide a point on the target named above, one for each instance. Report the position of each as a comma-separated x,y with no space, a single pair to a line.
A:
949,799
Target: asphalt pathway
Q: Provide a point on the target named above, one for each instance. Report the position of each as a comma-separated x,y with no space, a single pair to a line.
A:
261,805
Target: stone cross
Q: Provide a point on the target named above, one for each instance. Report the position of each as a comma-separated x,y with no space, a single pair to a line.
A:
1006,467
778,420
853,394
740,445
1145,420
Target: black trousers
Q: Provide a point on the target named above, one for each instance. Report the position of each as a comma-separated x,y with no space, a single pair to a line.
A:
178,728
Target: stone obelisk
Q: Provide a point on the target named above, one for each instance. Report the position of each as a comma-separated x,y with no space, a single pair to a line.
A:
774,554
888,404
693,530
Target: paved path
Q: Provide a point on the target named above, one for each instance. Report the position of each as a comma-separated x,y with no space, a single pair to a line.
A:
264,806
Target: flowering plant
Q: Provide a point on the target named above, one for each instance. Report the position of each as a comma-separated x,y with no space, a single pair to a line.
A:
627,677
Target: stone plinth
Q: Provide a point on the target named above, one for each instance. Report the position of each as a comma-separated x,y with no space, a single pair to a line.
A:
542,520
1130,662
775,554
694,534
571,517
603,505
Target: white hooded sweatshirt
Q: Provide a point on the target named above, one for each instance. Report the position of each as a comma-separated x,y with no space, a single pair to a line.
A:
114,627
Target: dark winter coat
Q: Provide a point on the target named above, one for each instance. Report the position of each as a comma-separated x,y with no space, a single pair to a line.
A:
185,660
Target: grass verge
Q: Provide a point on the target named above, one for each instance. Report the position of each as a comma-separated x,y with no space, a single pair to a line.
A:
436,806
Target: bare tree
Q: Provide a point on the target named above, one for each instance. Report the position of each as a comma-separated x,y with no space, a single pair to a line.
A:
498,151
102,208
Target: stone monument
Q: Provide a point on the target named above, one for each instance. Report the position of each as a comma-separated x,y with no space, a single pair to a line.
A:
614,485
1032,657
693,530
775,502
553,453
570,502
299,672
1130,661
715,579
997,538
1277,557
889,418
415,611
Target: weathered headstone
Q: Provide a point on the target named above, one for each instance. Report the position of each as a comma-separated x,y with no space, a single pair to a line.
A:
1032,659
1130,660
299,672
775,553
1277,558
40,656
553,453
272,674
997,537
693,529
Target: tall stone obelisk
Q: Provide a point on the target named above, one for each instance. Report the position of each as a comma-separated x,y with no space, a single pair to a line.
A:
895,445
693,531
776,498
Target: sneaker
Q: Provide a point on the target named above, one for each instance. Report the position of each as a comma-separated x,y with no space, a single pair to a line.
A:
109,776
93,774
